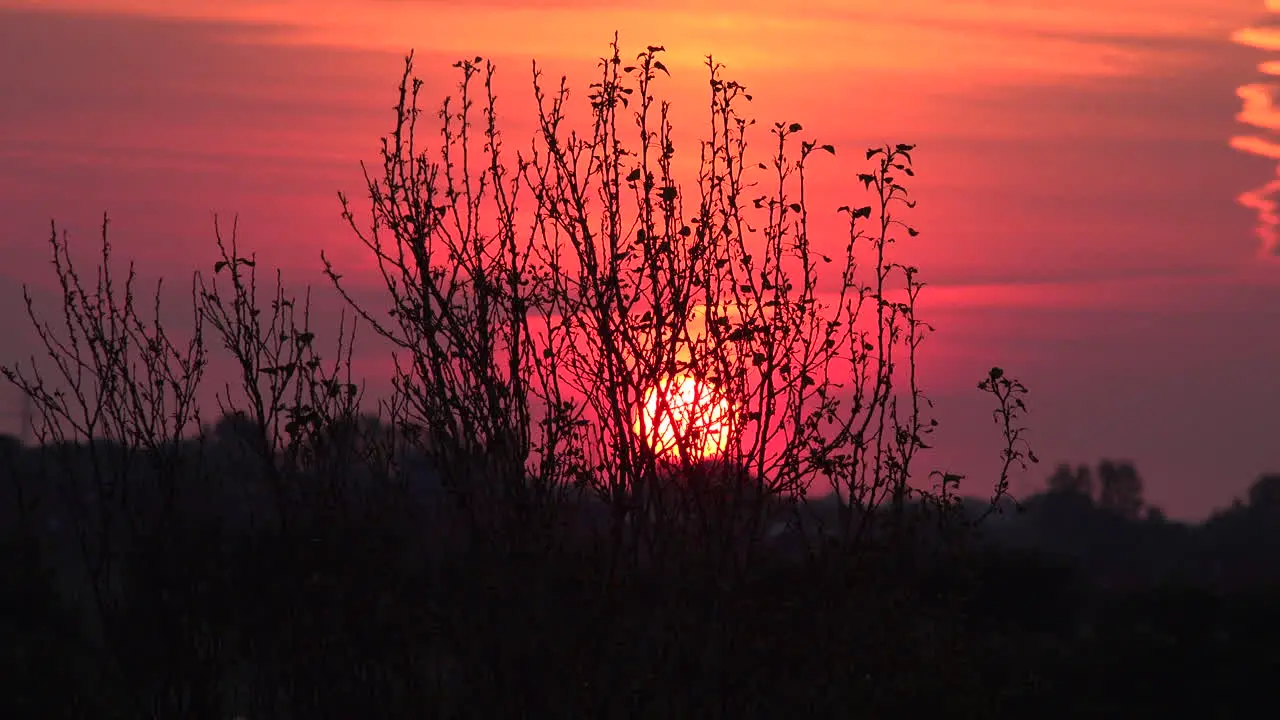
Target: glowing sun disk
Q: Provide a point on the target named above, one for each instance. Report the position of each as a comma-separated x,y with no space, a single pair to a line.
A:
682,410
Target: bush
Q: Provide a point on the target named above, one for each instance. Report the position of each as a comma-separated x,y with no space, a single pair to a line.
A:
507,531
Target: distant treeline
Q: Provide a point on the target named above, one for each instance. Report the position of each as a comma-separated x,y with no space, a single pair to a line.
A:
371,597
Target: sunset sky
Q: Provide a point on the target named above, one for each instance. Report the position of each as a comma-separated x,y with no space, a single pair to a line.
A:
1094,176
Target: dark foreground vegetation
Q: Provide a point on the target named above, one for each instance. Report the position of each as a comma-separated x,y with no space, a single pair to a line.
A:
498,536
358,607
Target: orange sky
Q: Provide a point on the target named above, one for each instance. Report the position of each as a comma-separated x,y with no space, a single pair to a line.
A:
1080,197
955,38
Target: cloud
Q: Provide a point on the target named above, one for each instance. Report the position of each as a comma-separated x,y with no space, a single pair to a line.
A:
1261,138
159,122
952,39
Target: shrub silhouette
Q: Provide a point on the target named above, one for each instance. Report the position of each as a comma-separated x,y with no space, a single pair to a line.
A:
493,537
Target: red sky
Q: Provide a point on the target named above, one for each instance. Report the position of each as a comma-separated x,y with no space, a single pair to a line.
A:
1079,173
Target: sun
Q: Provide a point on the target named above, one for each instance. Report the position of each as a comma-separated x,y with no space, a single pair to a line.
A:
694,416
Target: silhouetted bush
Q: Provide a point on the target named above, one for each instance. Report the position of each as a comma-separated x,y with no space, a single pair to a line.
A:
497,538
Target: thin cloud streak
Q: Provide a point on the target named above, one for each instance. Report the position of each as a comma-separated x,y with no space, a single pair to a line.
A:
1260,112
994,41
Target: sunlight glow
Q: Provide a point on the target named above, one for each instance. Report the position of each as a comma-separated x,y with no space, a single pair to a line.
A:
684,415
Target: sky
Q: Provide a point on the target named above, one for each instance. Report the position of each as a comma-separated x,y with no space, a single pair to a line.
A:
1095,178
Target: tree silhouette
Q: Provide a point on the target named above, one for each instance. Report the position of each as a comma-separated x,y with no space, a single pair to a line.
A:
1265,492
1078,481
1120,489
495,538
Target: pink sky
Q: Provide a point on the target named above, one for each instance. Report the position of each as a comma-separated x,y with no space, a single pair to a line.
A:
1079,173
